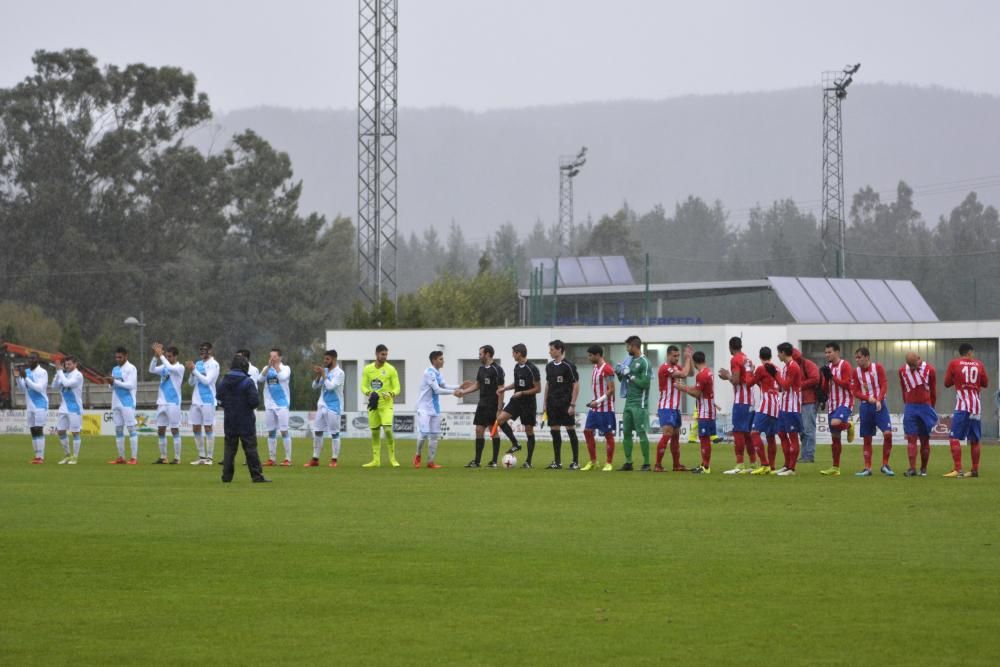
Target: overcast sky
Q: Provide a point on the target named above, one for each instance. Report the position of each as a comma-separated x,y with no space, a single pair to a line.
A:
479,54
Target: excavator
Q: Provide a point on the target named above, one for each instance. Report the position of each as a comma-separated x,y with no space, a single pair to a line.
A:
12,354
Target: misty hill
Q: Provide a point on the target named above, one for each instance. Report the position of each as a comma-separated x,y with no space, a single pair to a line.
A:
482,169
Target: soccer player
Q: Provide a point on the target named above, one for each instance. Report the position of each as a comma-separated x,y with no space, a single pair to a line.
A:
201,416
869,386
635,416
669,405
562,385
968,376
432,386
810,401
380,385
489,383
523,404
739,373
330,381
918,380
790,412
69,382
704,391
839,402
125,381
34,382
765,419
277,397
168,399
601,413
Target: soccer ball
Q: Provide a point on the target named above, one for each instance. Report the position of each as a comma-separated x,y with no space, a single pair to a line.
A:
509,460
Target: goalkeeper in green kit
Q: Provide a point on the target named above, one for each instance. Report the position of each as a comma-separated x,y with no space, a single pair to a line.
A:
637,376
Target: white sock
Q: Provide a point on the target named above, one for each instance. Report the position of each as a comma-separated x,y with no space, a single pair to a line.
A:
163,446
64,441
133,441
177,446
336,445
39,444
432,449
420,444
76,445
317,445
272,447
120,444
199,442
210,444
287,440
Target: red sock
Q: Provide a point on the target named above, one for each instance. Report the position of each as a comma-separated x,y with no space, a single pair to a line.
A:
675,449
739,445
956,453
751,453
661,449
886,447
925,451
772,451
836,448
588,435
758,446
974,449
609,447
793,449
911,451
866,452
785,446
706,451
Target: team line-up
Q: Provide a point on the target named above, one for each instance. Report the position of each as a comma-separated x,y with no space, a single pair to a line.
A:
767,405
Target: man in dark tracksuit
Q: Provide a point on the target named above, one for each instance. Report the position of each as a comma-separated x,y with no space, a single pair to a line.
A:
238,395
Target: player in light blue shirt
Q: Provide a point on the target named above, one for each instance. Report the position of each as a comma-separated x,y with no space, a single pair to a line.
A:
432,386
330,381
33,380
277,399
165,366
124,382
69,383
204,374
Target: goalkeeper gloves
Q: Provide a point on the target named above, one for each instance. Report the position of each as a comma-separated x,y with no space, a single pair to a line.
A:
373,400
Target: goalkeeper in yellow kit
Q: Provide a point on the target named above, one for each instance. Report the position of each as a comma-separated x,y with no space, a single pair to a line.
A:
380,385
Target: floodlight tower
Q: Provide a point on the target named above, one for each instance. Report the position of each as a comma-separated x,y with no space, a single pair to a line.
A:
569,167
834,92
377,58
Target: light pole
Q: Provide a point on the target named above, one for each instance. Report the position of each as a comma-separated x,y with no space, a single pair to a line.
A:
141,325
834,93
569,167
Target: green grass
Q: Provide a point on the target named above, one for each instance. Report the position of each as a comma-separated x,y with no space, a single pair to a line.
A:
165,565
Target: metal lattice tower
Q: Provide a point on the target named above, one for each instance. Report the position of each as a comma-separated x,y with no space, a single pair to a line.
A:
833,222
377,183
569,167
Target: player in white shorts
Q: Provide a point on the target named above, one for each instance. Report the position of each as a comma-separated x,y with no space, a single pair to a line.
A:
330,381
69,383
33,380
432,385
275,377
124,381
201,416
164,365
253,372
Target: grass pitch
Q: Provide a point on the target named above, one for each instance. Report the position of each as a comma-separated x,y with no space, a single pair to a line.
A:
165,565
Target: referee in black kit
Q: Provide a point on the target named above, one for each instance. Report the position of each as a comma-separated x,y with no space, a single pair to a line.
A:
562,384
489,380
238,395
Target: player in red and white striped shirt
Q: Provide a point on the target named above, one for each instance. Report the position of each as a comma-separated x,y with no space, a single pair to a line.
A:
704,391
790,413
765,420
669,406
869,386
839,402
968,375
918,380
739,374
601,415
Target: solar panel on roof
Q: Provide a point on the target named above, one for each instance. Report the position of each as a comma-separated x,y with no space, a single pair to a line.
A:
796,300
594,271
884,300
854,298
912,300
826,299
570,273
618,269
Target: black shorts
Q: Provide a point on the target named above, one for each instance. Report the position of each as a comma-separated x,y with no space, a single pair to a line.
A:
559,416
485,415
523,410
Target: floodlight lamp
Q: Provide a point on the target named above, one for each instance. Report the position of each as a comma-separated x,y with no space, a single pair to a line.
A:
131,322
